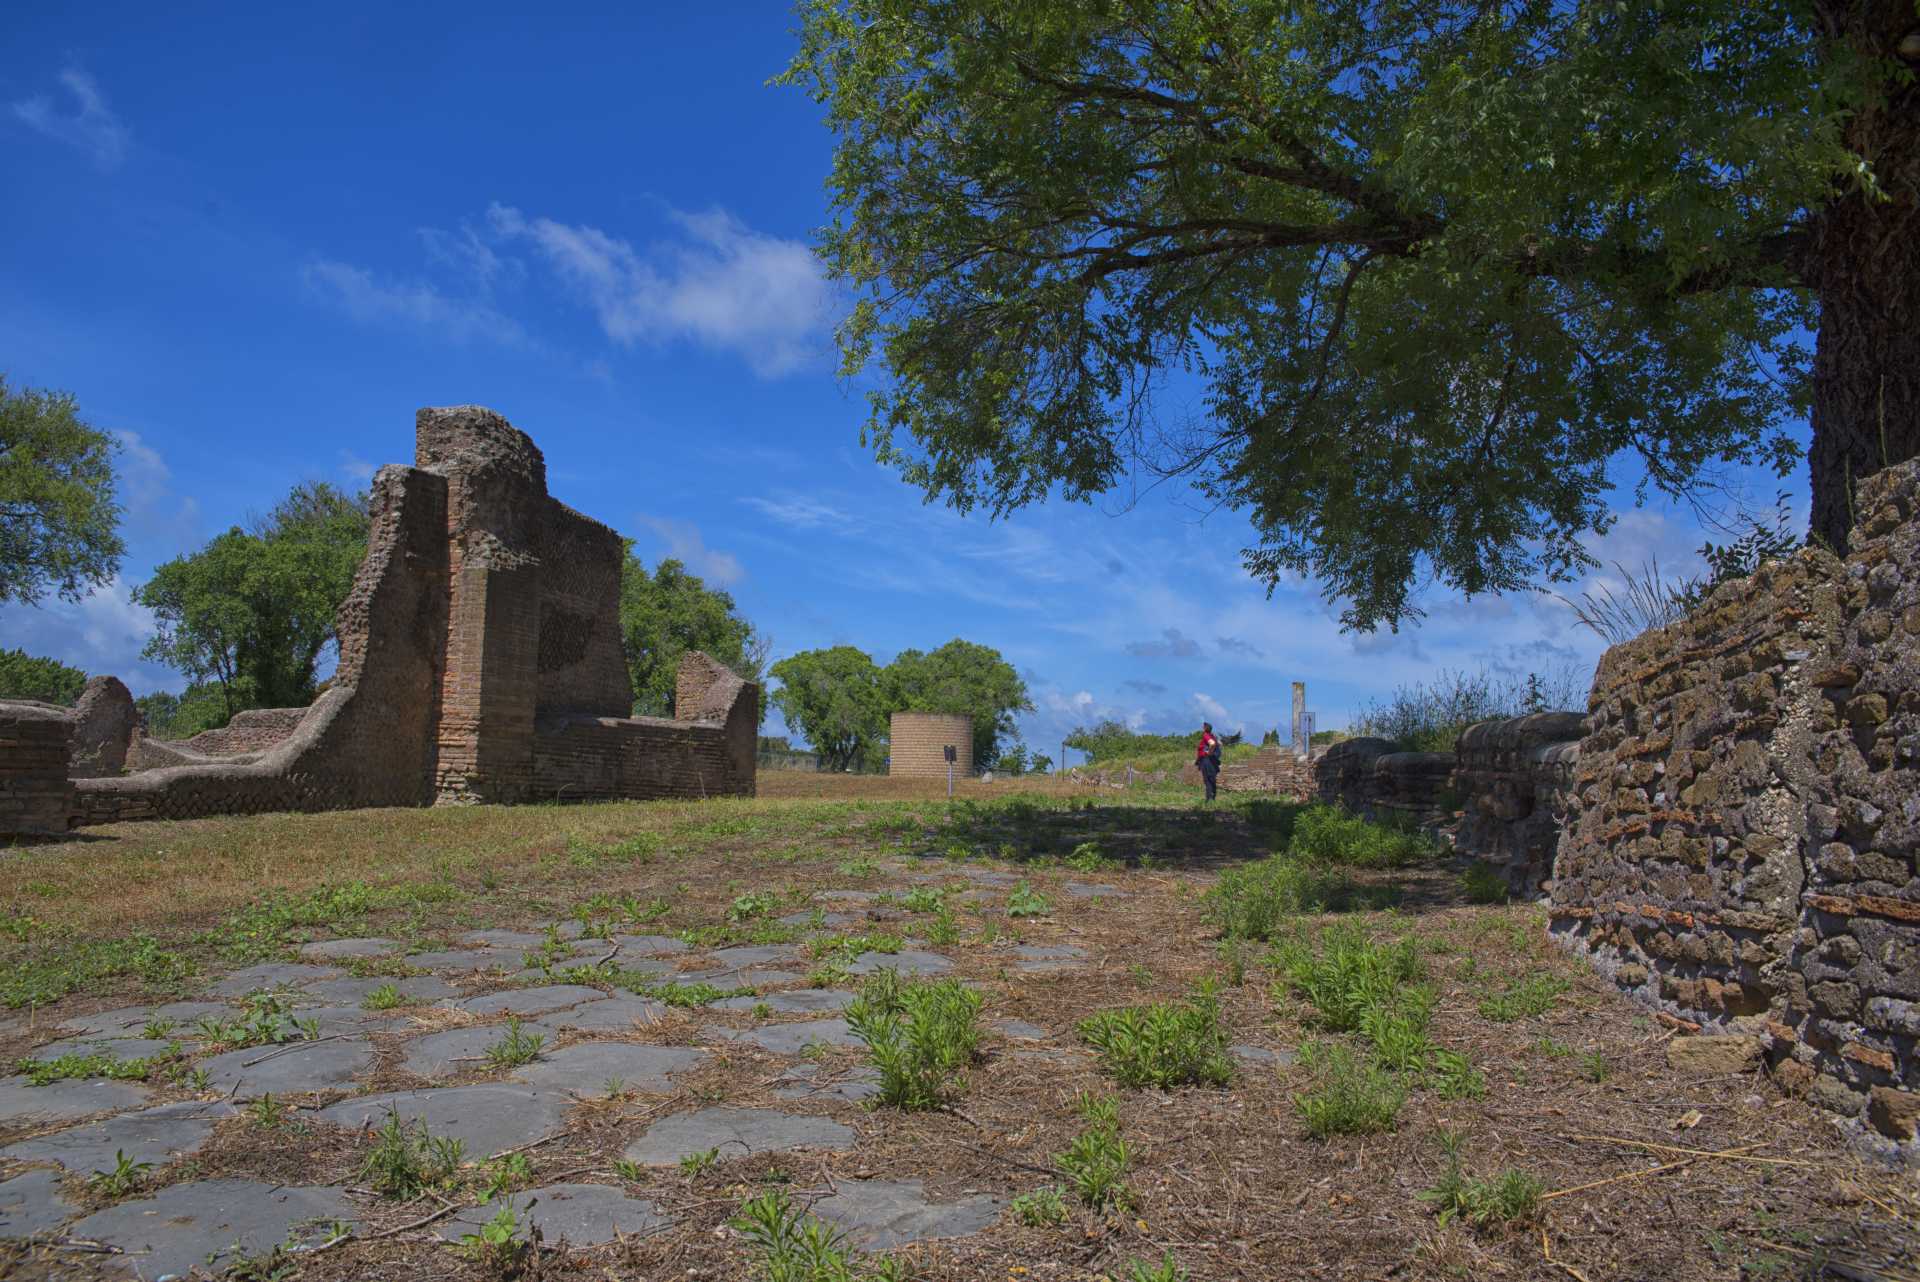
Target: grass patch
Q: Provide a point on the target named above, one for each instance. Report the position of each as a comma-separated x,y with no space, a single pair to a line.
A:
920,1035
1257,900
45,1072
51,966
1329,835
790,1245
1484,884
1349,1096
1162,1044
1524,998
1345,974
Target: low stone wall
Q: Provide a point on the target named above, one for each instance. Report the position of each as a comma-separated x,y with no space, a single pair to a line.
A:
1745,816
36,796
1370,778
1512,778
252,731
607,758
1275,770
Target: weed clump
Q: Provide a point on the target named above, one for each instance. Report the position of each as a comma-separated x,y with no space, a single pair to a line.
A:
406,1161
920,1036
1256,901
1162,1044
1511,1197
1524,998
1349,1096
1329,835
1096,1162
1349,975
1484,884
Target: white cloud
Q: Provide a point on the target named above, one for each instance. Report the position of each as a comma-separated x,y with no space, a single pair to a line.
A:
416,305
685,544
1211,709
91,126
722,285
803,512
355,468
102,632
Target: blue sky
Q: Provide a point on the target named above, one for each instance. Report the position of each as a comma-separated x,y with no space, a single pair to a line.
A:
253,242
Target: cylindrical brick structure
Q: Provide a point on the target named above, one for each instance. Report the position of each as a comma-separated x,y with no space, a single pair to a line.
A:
919,741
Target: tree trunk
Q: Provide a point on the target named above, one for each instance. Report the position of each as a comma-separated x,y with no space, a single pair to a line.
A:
1864,268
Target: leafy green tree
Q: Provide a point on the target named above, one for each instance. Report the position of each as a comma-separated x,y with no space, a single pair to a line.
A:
1430,269
252,612
961,677
28,676
838,700
58,518
669,612
201,706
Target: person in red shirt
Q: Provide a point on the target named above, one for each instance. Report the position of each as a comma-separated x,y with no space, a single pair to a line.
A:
1206,755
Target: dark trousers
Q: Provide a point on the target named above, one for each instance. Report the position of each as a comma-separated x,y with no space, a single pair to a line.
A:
1209,775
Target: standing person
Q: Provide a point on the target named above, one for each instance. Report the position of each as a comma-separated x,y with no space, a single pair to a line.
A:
1207,756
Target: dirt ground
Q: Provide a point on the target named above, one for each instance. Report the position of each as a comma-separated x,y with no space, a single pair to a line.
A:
1648,1173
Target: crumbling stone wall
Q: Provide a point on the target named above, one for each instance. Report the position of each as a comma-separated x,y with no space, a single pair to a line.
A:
917,743
105,723
251,732
1274,769
1745,817
484,619
1512,778
36,797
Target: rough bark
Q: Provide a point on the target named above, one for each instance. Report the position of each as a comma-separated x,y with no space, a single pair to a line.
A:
1864,267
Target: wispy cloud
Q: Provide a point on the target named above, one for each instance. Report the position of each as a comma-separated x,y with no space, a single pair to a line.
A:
685,544
721,285
1143,687
1234,645
90,125
355,468
412,304
1173,644
802,512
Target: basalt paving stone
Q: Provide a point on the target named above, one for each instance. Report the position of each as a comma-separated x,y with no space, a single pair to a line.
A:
588,1066
503,938
878,1215
462,1050
744,955
743,978
614,1015
467,959
908,961
826,919
736,1133
113,1047
530,1001
1021,1029
270,975
1261,1055
791,1039
802,1001
1087,890
650,945
1041,958
334,949
154,1135
806,1081
129,1020
578,1214
209,1224
288,1070
849,896
416,990
989,877
33,1203
486,1118
64,1101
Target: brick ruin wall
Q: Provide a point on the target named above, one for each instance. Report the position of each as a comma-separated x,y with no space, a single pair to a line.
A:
252,731
484,619
916,744
36,796
1745,816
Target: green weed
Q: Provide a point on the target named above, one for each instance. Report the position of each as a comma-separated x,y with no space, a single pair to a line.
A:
1512,1197
1095,1164
516,1047
1256,901
1162,1044
406,1161
1025,901
126,1176
1041,1209
1484,884
1348,1095
385,997
920,1035
1329,835
1523,998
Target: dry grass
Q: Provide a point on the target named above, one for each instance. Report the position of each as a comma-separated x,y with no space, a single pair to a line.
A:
1225,1179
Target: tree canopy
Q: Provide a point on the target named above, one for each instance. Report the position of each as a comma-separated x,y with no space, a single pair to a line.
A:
837,699
669,612
842,702
1426,270
58,518
29,676
253,610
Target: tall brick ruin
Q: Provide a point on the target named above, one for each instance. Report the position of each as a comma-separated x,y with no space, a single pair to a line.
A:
480,660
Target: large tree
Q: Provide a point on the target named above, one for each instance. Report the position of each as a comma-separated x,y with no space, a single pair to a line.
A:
58,518
669,612
1426,267
253,611
838,700
30,676
961,678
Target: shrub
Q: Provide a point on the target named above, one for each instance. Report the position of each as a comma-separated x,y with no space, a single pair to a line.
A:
1329,835
920,1035
1348,1096
1428,716
1254,901
1162,1044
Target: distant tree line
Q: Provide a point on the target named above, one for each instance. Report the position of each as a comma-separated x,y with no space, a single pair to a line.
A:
842,702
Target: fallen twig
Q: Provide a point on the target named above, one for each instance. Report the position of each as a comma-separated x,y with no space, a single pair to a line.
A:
292,1046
